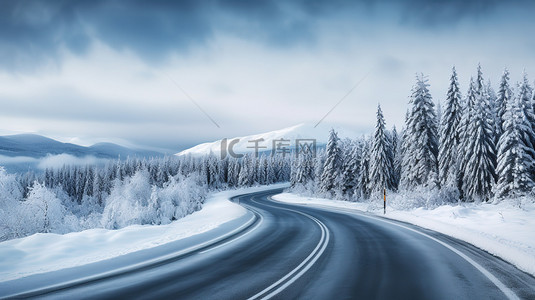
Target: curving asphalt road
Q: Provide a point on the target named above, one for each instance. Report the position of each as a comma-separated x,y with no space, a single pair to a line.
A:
301,252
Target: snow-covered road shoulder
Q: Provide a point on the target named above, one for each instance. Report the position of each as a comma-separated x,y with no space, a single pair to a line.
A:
46,252
502,229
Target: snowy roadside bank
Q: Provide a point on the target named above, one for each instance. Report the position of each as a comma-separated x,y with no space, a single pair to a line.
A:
502,229
46,252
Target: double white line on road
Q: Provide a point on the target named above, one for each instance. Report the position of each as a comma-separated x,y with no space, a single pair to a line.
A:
501,286
303,267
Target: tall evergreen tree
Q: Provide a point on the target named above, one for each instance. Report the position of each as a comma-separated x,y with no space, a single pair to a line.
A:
333,163
381,157
419,165
524,101
505,95
262,169
466,119
450,134
363,179
245,178
350,169
233,172
492,99
396,148
319,161
302,169
439,115
515,155
480,154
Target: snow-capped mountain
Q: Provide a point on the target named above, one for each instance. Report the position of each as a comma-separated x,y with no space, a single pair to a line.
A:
290,135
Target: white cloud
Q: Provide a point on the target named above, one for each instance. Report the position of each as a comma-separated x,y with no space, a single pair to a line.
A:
16,160
57,161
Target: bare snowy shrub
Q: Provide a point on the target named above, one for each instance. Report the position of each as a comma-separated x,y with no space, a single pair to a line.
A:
180,197
10,196
304,189
43,211
128,202
135,201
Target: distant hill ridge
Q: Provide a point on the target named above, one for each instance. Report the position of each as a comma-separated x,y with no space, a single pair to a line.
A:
37,146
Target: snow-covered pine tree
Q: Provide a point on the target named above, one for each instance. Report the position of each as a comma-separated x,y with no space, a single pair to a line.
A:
223,169
439,115
524,101
245,177
450,137
515,155
262,169
493,114
419,165
533,101
89,180
295,172
505,95
270,172
350,169
333,163
480,155
363,179
319,161
464,150
395,139
482,91
233,172
283,166
309,169
98,188
302,169
381,157
489,108
396,148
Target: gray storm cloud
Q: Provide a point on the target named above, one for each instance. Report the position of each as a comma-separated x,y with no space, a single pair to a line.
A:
34,31
100,69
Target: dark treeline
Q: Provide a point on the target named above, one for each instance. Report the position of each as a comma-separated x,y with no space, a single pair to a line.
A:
214,173
481,147
122,193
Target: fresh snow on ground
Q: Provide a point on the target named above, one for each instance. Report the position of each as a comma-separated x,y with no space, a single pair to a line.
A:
505,229
45,252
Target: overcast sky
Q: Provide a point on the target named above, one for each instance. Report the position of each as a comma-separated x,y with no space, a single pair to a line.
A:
89,71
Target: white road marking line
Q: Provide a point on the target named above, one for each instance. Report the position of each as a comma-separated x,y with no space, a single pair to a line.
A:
308,262
502,287
248,232
507,291
239,237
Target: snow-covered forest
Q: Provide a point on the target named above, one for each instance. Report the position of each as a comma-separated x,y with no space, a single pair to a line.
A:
122,193
479,148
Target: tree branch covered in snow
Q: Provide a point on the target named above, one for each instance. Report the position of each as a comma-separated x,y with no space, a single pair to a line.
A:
482,148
